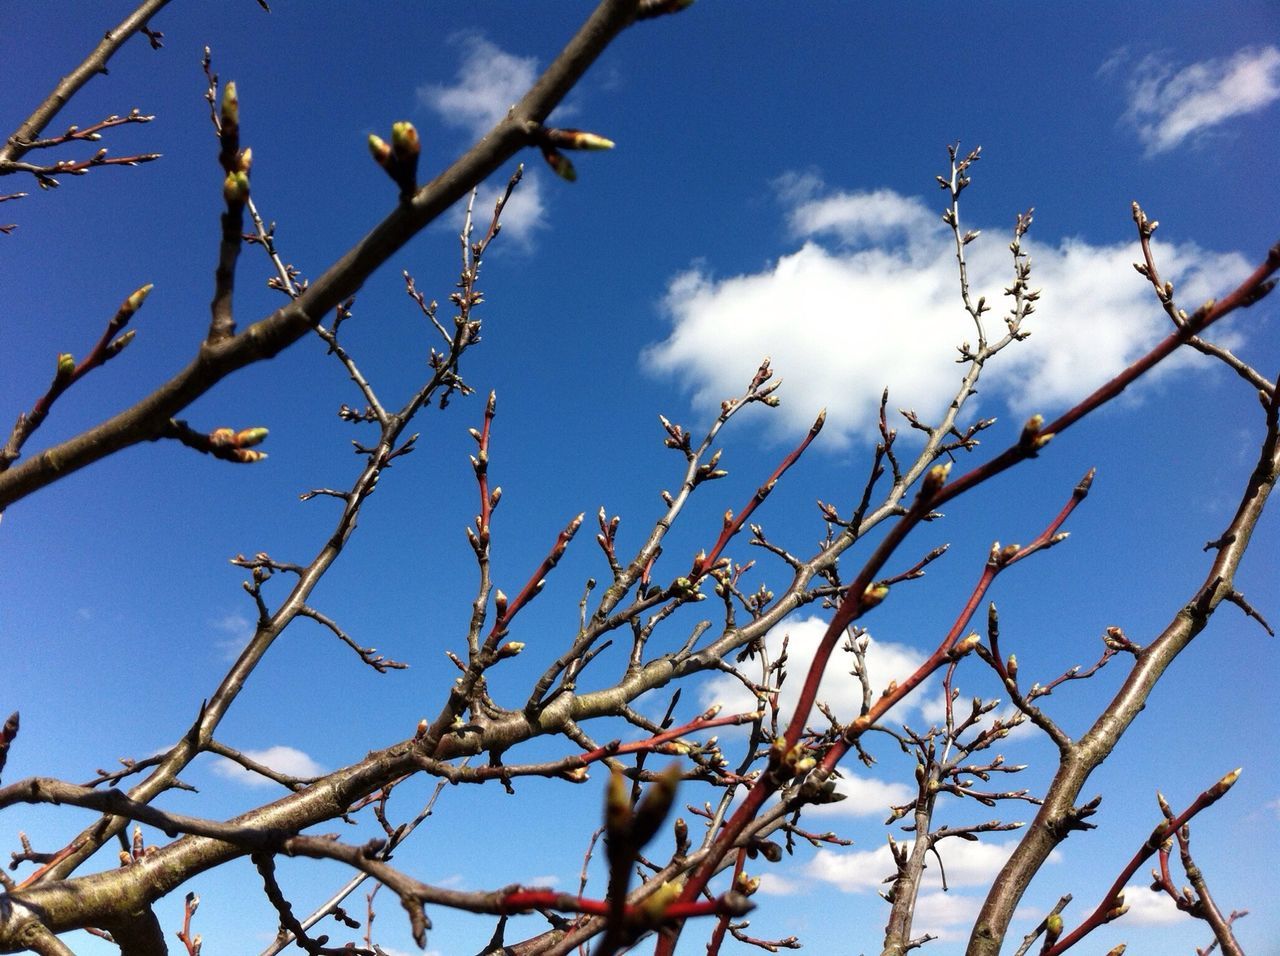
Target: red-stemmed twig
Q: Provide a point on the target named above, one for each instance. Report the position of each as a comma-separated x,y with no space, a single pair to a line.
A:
192,943
68,372
734,523
1112,905
787,757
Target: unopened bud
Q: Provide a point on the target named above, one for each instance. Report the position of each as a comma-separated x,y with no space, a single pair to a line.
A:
560,164
965,646
935,479
66,365
118,344
1011,666
380,150
230,106
578,139
510,649
617,806
874,594
134,302
235,188
404,142
247,456
655,906
1052,928
1031,429
248,437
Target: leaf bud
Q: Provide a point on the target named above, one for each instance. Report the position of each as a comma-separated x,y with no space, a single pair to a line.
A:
66,366
874,594
134,302
934,479
617,806
405,144
380,150
235,188
655,906
560,164
578,139
230,107
248,437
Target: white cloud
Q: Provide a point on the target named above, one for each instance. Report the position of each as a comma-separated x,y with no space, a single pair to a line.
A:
1169,106
877,304
773,884
1148,908
489,82
864,796
886,662
863,217
941,914
286,760
967,864
523,217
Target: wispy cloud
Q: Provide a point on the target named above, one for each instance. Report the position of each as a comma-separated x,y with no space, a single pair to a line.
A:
286,760
870,299
1168,106
237,629
488,83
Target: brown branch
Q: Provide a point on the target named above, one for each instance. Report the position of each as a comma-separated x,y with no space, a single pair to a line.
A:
1112,905
269,336
19,142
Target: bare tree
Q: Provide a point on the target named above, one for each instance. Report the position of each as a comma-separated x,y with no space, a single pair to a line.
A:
693,880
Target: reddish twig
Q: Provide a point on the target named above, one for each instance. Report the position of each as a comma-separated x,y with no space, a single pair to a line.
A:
1112,905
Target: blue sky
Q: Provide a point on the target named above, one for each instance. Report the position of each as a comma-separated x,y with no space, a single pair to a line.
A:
772,193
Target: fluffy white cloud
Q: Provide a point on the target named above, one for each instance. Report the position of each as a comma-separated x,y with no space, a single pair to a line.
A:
864,796
1169,106
774,884
286,760
870,298
943,914
1147,908
524,216
886,662
489,82
967,864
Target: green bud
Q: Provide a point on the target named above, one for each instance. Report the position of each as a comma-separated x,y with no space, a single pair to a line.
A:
404,141
380,150
249,437
874,594
235,188
134,302
230,106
